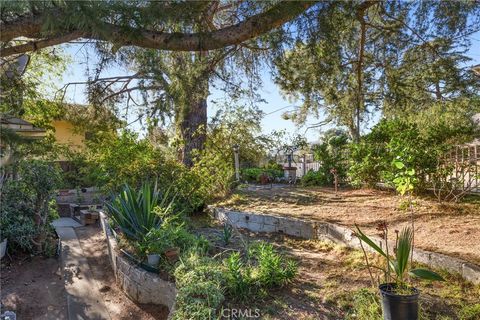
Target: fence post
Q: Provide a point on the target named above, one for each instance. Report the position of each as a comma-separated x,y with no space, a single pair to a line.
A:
304,165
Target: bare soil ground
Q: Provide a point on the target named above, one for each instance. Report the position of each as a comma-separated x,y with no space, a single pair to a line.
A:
33,287
329,275
118,304
450,228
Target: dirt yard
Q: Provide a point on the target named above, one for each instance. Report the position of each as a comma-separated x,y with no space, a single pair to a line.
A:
329,278
33,287
448,228
325,288
119,306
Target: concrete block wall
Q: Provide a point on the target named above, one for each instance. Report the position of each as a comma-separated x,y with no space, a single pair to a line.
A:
139,285
83,196
328,231
266,223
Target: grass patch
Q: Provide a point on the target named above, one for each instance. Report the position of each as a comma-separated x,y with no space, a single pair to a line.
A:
470,312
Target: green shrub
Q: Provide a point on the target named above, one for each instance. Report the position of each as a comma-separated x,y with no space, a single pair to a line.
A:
238,276
20,231
111,161
315,178
254,174
373,158
365,165
251,174
272,268
28,207
199,281
262,268
172,234
137,212
331,154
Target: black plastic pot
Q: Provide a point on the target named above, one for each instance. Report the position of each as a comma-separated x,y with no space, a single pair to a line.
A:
398,307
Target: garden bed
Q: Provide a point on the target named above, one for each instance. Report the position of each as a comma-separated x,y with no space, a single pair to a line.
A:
92,241
330,282
316,230
452,229
140,285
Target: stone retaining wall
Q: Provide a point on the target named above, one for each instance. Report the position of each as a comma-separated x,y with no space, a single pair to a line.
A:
140,285
328,231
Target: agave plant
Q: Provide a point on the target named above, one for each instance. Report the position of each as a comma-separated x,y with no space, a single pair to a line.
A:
138,212
397,268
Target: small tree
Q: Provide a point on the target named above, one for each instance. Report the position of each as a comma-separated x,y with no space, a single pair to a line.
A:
405,181
26,202
42,179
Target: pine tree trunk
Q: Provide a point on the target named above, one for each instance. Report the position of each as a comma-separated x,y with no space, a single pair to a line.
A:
193,129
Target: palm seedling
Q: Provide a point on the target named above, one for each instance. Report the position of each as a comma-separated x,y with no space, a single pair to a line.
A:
396,269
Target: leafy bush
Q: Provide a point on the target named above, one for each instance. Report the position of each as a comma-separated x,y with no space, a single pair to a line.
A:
115,160
238,276
212,175
331,154
251,174
172,234
199,281
373,158
254,174
262,268
28,208
315,178
137,212
20,231
272,269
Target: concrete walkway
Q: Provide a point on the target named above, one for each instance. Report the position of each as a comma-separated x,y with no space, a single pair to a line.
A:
65,222
83,296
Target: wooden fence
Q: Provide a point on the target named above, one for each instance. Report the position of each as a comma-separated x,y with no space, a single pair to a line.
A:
463,162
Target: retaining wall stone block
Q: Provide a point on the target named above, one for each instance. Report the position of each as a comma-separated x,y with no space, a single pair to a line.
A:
338,234
471,272
441,261
139,285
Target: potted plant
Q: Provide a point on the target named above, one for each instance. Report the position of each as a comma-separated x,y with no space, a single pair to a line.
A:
152,246
153,259
399,296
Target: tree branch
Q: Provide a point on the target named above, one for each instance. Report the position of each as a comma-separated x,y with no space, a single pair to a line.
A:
31,27
40,44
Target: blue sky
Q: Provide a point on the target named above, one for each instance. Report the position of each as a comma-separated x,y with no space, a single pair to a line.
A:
269,92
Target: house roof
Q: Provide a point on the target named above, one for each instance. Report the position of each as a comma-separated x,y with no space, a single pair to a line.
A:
18,125
14,120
